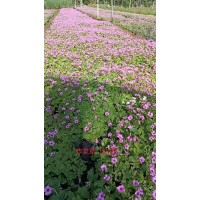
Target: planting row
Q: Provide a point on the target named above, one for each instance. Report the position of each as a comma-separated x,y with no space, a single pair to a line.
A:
144,25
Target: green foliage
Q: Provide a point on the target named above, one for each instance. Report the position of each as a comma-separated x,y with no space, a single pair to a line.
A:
56,4
142,9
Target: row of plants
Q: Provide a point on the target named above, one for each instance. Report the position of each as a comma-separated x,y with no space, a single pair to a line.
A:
142,25
138,9
99,94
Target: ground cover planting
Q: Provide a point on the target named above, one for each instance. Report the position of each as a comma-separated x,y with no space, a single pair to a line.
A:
144,25
100,107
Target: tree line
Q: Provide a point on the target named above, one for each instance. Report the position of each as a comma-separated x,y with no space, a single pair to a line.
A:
125,3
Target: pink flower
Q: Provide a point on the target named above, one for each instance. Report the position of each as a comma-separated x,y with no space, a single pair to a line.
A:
86,129
153,133
114,160
106,177
107,114
136,183
89,123
121,188
126,146
150,114
110,124
120,123
135,139
104,167
141,159
117,132
153,160
121,141
96,141
110,134
151,138
130,118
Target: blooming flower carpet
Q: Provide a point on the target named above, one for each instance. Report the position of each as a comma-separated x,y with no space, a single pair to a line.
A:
100,106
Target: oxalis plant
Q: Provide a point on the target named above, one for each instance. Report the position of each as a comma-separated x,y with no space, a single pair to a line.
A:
99,114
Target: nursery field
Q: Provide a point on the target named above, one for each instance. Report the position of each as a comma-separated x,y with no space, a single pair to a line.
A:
100,111
138,10
144,25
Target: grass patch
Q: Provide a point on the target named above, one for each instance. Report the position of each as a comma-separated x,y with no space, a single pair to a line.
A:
138,10
56,4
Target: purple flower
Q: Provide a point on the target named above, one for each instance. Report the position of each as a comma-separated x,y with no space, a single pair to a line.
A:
151,138
51,134
153,154
107,114
121,188
139,192
114,160
126,146
86,129
48,109
96,141
106,177
130,118
154,194
152,171
89,123
48,99
153,133
136,183
141,159
51,143
153,160
117,132
72,108
121,123
150,114
67,116
154,179
110,124
52,154
135,138
47,190
110,134
107,81
101,196
104,167
76,121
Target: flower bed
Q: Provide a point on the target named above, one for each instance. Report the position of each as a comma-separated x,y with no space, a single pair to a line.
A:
144,25
99,94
